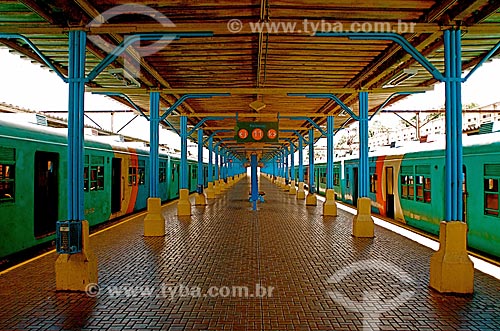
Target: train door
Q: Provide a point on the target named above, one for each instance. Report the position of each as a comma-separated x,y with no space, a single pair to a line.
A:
355,187
389,189
116,185
464,194
46,190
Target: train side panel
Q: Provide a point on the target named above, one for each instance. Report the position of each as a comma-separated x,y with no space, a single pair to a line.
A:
421,190
482,176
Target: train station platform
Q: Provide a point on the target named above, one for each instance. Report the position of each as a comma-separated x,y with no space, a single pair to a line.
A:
284,267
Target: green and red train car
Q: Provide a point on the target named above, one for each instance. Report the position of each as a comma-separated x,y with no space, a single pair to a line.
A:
408,186
33,183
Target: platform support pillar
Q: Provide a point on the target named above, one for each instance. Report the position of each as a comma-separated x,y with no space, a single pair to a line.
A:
451,270
210,189
254,181
222,180
363,225
293,189
154,223
200,198
286,184
75,271
329,206
184,205
301,194
217,172
311,199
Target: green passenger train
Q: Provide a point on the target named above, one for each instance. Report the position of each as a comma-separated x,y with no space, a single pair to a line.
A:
408,186
33,186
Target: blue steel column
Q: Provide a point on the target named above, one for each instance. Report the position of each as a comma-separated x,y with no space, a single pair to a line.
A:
184,164
292,164
77,46
217,170
285,152
210,159
312,189
329,152
301,159
254,181
223,164
453,152
364,176
154,132
451,270
200,161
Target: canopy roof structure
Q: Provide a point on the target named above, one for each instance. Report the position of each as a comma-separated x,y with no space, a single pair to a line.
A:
250,56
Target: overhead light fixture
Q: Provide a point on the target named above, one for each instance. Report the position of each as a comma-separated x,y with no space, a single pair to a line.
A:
401,77
123,76
257,105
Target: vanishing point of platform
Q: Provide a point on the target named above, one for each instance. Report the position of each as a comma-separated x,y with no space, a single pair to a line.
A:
285,247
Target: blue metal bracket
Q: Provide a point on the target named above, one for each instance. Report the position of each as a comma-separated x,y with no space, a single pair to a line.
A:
129,40
210,118
389,99
298,134
303,118
215,133
36,50
401,41
484,59
326,96
190,96
126,97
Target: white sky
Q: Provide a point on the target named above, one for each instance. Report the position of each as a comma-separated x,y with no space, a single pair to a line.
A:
30,86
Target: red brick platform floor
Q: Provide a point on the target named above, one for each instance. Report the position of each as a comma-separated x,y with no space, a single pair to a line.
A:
211,270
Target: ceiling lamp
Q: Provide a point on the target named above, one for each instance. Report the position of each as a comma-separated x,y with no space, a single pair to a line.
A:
257,105
401,77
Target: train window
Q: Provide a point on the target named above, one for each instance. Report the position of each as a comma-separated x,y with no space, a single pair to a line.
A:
194,172
163,172
93,173
336,176
491,196
347,181
174,166
407,187
132,176
404,187
96,178
7,183
411,187
373,183
322,177
427,190
142,172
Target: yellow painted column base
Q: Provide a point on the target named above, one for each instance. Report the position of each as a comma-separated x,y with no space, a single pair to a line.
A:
154,223
301,193
293,189
362,224
200,199
451,269
74,272
222,185
311,199
184,205
210,191
217,187
286,187
330,206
